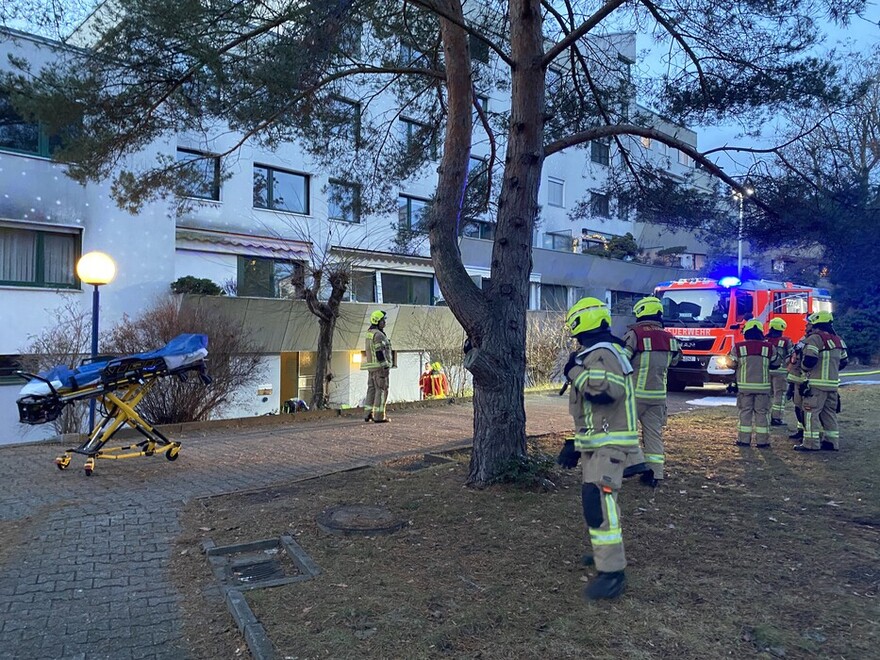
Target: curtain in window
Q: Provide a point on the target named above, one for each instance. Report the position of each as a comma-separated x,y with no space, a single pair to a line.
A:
18,255
59,257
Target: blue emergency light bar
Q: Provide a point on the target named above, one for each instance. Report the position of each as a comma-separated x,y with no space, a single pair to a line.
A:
729,281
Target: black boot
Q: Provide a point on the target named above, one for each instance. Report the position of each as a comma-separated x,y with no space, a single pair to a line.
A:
797,435
369,417
803,447
648,479
827,445
587,559
633,470
605,585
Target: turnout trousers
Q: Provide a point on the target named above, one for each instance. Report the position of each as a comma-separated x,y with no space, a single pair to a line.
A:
820,419
377,392
602,478
779,384
754,417
652,417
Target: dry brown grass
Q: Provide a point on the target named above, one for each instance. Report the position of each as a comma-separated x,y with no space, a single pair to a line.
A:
742,553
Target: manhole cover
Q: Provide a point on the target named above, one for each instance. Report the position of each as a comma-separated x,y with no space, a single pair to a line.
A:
359,519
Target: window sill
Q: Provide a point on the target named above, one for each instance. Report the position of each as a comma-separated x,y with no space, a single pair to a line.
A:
49,289
296,213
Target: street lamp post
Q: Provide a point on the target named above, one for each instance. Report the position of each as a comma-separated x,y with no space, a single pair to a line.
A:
741,195
97,269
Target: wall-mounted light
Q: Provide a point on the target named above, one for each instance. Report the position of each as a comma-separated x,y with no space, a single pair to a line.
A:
356,357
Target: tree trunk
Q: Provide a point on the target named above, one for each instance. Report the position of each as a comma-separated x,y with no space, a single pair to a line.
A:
326,327
495,320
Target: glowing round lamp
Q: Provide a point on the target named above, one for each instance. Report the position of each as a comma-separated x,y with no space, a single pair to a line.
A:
729,281
96,268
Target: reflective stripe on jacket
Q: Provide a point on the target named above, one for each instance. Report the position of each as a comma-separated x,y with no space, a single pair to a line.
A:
603,369
829,350
375,341
753,359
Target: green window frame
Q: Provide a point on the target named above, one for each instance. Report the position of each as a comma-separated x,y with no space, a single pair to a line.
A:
206,167
39,258
410,212
344,201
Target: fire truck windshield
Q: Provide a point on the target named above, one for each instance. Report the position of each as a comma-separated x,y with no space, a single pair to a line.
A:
705,308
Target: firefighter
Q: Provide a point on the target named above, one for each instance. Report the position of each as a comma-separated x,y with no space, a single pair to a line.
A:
824,356
753,359
425,381
602,403
779,376
652,351
378,366
439,382
794,378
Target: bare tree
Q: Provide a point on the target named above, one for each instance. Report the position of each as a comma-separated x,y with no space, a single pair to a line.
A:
546,342
232,362
64,342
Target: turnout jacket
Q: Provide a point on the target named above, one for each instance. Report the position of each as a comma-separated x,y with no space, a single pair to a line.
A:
602,399
651,350
753,359
378,349
784,349
830,352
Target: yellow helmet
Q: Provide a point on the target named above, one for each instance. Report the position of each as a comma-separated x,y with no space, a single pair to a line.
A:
820,317
753,323
377,316
778,324
586,314
648,307
436,366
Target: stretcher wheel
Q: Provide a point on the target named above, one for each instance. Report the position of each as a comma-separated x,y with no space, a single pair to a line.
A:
61,462
89,466
172,453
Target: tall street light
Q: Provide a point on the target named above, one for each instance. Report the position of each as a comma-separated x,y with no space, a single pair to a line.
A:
741,195
97,269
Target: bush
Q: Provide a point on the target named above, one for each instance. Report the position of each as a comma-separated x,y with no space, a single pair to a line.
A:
528,472
232,363
860,329
197,285
547,348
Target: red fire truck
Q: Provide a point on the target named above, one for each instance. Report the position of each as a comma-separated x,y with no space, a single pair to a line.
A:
707,316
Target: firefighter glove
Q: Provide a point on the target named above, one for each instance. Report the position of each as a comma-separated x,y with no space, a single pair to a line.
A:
572,362
569,456
789,393
733,388
804,388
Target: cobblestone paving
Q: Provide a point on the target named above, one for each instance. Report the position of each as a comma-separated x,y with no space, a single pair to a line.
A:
89,581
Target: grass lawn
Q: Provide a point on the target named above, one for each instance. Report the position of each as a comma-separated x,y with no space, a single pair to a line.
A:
741,553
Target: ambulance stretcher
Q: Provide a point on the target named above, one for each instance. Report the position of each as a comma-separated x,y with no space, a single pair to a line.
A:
118,385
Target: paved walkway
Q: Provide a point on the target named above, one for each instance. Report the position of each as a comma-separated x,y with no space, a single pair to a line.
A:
88,575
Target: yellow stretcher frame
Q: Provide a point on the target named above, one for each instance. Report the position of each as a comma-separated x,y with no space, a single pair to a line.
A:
122,387
120,412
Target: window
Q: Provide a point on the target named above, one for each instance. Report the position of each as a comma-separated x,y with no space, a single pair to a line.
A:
744,306
407,289
479,49
349,43
260,277
558,241
600,205
790,303
9,364
280,190
363,286
600,151
23,136
479,229
482,102
38,258
411,212
622,302
202,174
345,119
344,201
684,159
411,55
555,192
554,297
646,142
417,136
625,208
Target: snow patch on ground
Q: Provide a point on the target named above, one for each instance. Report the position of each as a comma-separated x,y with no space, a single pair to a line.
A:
713,401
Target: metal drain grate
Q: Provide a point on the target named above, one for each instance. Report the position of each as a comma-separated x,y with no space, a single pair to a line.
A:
268,569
